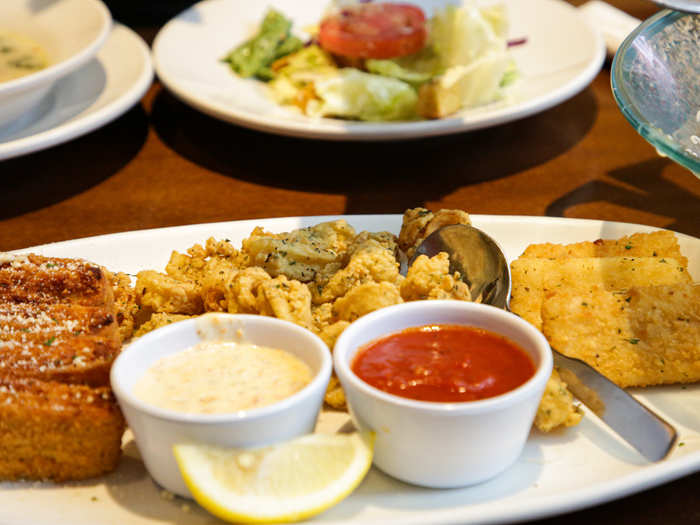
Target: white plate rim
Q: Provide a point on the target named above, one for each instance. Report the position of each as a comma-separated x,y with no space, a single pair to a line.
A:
644,477
333,129
91,119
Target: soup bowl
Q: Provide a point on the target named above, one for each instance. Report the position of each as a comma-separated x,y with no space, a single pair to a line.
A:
443,444
70,32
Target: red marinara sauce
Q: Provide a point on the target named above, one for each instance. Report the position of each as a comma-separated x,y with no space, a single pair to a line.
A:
444,363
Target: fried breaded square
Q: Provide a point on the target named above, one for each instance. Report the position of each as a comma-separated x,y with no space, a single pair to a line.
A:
662,243
533,278
57,431
583,296
647,336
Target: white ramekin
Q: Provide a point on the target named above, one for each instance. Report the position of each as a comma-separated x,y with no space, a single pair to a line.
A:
434,444
156,430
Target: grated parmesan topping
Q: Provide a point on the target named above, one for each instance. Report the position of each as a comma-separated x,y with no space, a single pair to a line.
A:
41,331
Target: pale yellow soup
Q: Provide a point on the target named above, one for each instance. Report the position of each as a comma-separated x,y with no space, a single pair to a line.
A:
19,56
222,377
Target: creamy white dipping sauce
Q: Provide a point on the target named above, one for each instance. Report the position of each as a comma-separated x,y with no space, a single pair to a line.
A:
218,377
19,56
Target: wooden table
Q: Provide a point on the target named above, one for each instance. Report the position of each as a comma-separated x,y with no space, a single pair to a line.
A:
164,164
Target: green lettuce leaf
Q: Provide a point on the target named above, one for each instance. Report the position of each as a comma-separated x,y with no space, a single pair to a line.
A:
461,35
354,94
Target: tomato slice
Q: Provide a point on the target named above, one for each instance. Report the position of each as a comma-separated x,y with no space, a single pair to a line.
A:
382,30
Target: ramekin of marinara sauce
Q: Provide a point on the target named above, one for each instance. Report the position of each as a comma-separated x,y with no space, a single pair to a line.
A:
443,363
450,388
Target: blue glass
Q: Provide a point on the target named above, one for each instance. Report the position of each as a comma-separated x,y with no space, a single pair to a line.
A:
656,83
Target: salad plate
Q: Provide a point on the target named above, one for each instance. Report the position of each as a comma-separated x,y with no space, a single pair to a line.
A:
97,93
560,56
557,473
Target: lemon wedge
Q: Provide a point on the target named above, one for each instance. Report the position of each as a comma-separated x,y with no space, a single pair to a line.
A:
285,482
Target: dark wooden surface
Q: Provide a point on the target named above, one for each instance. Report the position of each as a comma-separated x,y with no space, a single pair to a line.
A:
164,164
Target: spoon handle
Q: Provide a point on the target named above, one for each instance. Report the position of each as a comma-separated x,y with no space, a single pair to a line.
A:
640,427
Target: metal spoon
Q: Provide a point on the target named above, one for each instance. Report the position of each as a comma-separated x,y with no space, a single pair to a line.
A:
484,268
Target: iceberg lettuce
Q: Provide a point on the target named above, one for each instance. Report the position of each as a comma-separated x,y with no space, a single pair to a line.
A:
461,35
470,45
352,93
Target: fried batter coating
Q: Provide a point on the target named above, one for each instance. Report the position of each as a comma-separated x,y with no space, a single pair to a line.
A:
214,286
184,267
527,288
430,278
125,304
418,223
557,408
200,260
326,324
646,336
331,332
529,270
370,262
415,221
159,319
386,240
366,298
533,278
667,319
662,243
241,291
304,254
285,299
163,293
335,396
57,431
322,316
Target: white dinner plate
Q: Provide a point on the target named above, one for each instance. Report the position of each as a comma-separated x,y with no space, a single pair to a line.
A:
582,466
561,56
85,100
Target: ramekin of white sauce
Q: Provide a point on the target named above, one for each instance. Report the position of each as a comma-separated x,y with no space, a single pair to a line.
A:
221,379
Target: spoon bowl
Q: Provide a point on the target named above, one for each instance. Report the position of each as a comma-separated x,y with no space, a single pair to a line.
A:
478,259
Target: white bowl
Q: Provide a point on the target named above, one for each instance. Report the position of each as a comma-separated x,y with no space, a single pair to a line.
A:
443,445
69,31
156,430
